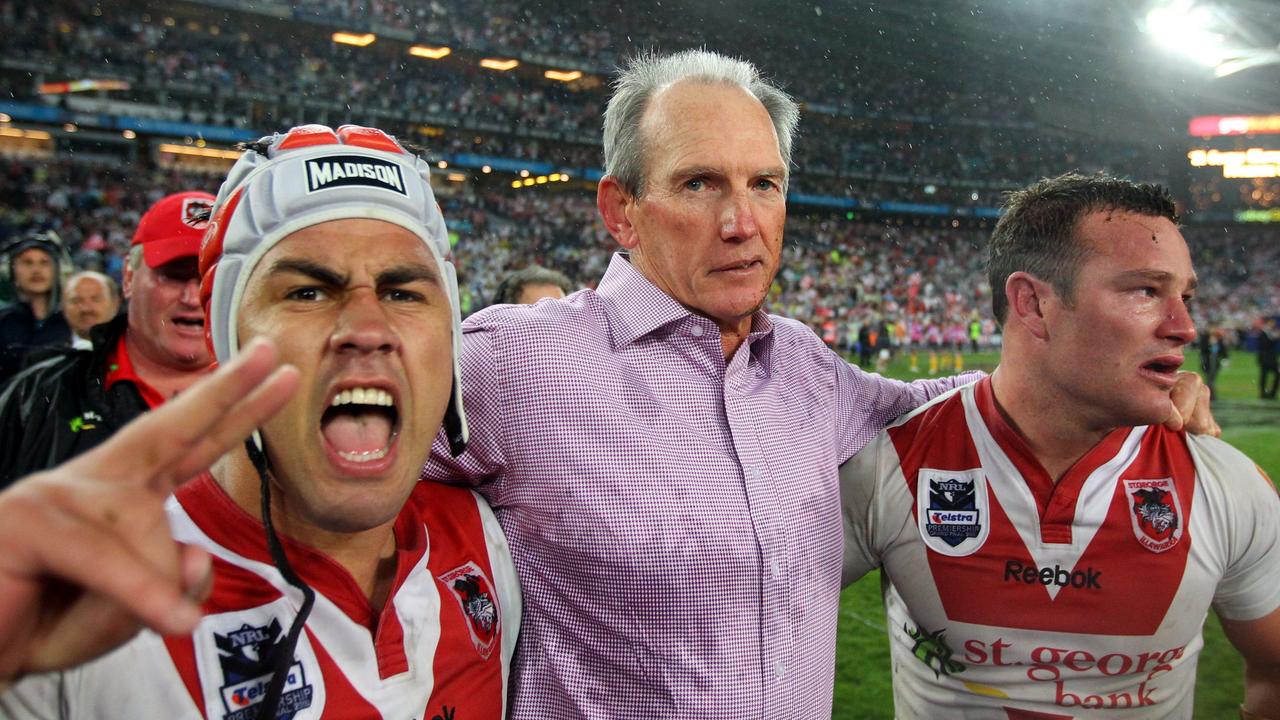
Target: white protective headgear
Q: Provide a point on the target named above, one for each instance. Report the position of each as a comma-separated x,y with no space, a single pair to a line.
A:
307,176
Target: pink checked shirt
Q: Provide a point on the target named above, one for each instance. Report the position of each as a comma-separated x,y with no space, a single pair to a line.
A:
675,519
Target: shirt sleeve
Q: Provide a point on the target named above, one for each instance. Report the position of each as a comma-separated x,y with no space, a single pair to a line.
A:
483,460
1250,520
867,403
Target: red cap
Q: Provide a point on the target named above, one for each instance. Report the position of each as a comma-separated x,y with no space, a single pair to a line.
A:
173,227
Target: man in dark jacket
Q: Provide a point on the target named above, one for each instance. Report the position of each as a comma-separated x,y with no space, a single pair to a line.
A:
73,401
1268,372
1213,356
33,319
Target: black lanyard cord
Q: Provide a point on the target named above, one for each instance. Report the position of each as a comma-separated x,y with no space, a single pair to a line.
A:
283,653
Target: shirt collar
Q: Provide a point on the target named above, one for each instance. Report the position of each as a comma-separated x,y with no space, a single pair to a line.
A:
120,368
637,307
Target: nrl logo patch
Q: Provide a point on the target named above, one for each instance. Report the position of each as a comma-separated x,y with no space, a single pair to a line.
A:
354,170
474,593
952,510
247,658
1155,512
196,212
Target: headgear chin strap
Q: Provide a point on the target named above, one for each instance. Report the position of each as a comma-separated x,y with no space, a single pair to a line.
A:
283,653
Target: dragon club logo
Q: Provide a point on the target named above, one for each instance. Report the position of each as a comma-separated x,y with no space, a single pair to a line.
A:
1155,512
471,588
196,212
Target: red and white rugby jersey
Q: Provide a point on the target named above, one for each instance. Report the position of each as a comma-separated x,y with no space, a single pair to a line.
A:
439,650
1011,597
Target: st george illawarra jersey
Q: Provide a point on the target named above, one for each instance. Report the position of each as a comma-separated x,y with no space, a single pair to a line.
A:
440,649
1011,597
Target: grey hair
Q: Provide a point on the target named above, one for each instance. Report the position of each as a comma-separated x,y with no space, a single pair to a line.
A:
106,281
135,257
645,75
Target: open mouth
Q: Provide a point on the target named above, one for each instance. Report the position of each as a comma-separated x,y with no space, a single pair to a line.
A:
1163,366
361,424
195,323
1163,370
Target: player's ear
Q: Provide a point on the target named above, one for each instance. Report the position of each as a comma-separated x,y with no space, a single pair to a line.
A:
1027,295
614,203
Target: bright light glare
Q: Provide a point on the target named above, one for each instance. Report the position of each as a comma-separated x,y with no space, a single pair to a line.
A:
499,65
426,51
1183,27
359,40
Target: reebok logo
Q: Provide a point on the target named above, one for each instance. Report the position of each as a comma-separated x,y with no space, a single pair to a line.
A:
1088,579
347,170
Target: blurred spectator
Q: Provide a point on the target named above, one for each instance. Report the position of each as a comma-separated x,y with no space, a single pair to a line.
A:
34,318
531,284
68,404
1213,355
1268,374
91,298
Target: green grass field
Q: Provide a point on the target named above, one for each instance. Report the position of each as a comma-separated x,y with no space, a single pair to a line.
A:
863,689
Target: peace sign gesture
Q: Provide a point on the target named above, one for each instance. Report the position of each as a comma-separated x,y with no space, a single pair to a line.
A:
86,554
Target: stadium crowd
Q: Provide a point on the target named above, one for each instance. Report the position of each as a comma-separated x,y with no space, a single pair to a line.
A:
879,138
924,283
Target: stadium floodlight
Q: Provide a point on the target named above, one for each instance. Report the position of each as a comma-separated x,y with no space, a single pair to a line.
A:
1207,34
1187,28
562,75
359,40
499,65
432,53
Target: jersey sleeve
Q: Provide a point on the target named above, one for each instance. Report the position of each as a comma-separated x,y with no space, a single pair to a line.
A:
508,588
860,478
1251,520
36,697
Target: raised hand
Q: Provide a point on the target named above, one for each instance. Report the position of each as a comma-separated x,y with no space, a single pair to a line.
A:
86,556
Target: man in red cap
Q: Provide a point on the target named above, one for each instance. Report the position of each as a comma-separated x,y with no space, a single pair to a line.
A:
71,402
